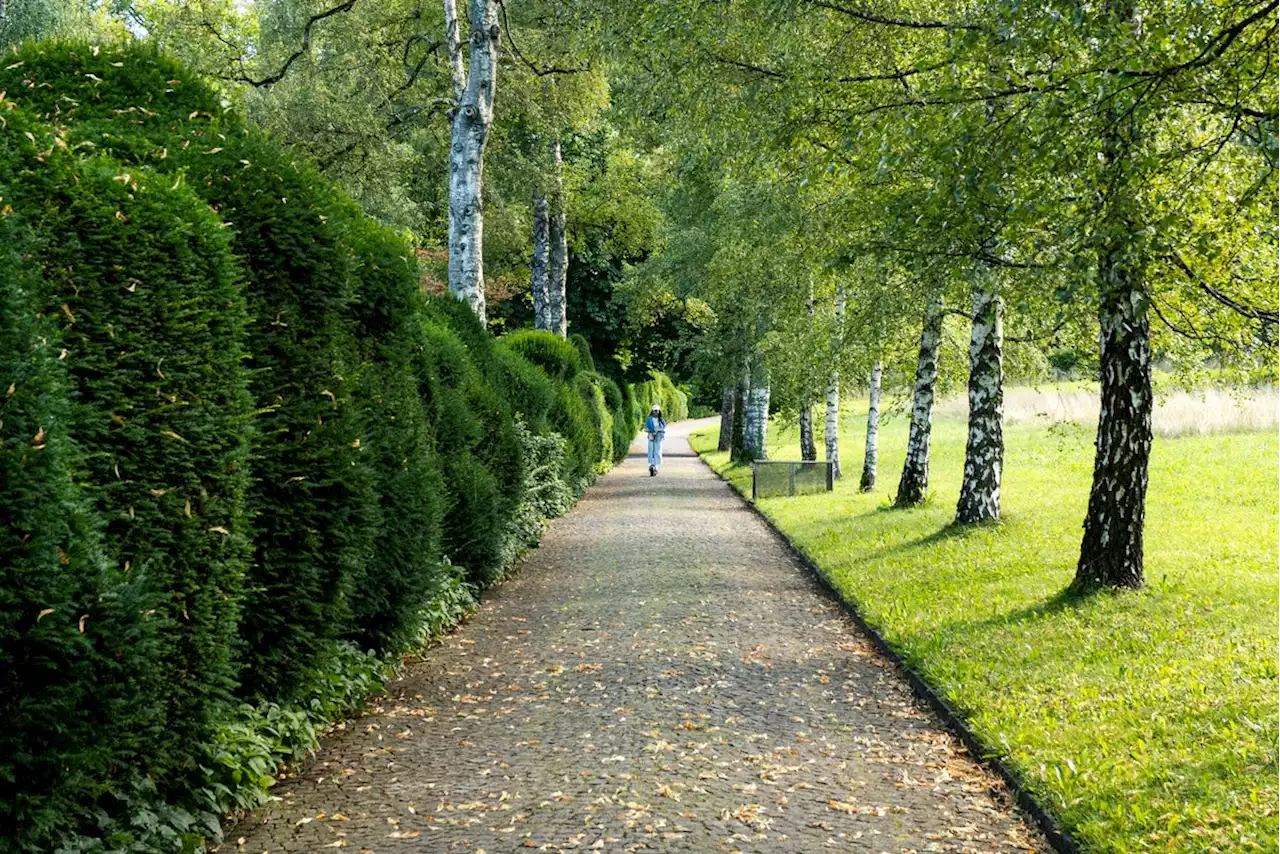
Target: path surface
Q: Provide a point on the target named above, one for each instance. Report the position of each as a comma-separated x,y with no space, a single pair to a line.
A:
660,675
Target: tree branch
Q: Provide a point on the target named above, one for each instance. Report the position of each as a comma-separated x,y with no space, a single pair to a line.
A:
272,79
873,18
1268,315
453,38
538,72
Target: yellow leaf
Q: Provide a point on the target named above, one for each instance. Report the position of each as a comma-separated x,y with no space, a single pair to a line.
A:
46,612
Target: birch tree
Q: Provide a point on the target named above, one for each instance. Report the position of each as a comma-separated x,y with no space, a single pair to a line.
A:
831,423
474,87
984,448
871,452
538,269
914,483
559,267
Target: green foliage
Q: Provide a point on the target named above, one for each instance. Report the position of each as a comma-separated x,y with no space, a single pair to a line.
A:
79,657
403,570
152,324
559,357
661,391
312,495
532,393
583,347
477,438
235,425
587,385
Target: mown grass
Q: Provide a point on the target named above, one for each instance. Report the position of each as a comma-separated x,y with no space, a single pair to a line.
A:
1146,721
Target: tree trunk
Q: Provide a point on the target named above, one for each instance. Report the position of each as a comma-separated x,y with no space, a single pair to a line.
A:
738,451
538,269
559,272
915,470
472,120
984,451
755,432
808,450
1111,551
727,399
869,456
832,423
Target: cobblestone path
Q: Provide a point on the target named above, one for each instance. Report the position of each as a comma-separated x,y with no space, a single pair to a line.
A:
660,675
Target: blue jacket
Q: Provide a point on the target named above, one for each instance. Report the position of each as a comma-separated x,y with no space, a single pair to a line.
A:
655,425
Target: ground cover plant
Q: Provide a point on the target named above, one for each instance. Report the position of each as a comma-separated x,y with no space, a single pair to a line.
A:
1144,720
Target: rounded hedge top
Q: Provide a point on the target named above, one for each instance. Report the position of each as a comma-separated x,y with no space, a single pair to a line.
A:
135,82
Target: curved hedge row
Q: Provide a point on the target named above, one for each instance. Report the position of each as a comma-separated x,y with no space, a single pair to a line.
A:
238,447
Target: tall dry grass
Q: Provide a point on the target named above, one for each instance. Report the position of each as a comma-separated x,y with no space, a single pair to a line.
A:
1178,413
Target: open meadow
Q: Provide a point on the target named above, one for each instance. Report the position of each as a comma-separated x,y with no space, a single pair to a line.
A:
1144,720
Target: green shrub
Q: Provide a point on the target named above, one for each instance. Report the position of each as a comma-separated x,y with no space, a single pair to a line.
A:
588,386
558,357
152,317
660,390
312,496
478,442
78,653
583,347
531,392
625,423
572,419
404,571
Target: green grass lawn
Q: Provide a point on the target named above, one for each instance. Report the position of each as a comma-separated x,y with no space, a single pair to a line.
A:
1146,721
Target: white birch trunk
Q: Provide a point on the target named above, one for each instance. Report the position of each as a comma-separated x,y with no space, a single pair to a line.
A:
984,450
915,469
742,397
808,450
832,424
538,269
872,451
727,396
757,427
472,121
559,247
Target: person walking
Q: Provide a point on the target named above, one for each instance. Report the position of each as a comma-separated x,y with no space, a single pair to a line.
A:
656,426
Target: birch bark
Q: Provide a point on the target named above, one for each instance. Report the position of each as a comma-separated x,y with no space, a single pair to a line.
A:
915,470
808,451
538,269
472,121
727,398
831,426
984,450
559,268
757,426
872,451
1111,552
742,394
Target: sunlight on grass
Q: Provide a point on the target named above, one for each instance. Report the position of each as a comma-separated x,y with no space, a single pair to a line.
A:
1146,721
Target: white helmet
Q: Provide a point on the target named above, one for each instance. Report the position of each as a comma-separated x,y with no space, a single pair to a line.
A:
656,408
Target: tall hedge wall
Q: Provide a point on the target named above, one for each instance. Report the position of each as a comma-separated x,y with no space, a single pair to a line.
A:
239,445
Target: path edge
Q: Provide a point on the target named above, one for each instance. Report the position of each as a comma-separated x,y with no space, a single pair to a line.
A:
979,750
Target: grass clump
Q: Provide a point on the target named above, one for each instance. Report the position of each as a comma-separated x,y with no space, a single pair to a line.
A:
1147,720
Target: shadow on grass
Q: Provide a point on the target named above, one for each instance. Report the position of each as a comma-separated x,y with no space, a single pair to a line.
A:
1064,600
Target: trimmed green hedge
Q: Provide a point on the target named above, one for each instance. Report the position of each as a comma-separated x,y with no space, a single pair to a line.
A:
150,317
243,456
78,637
660,390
